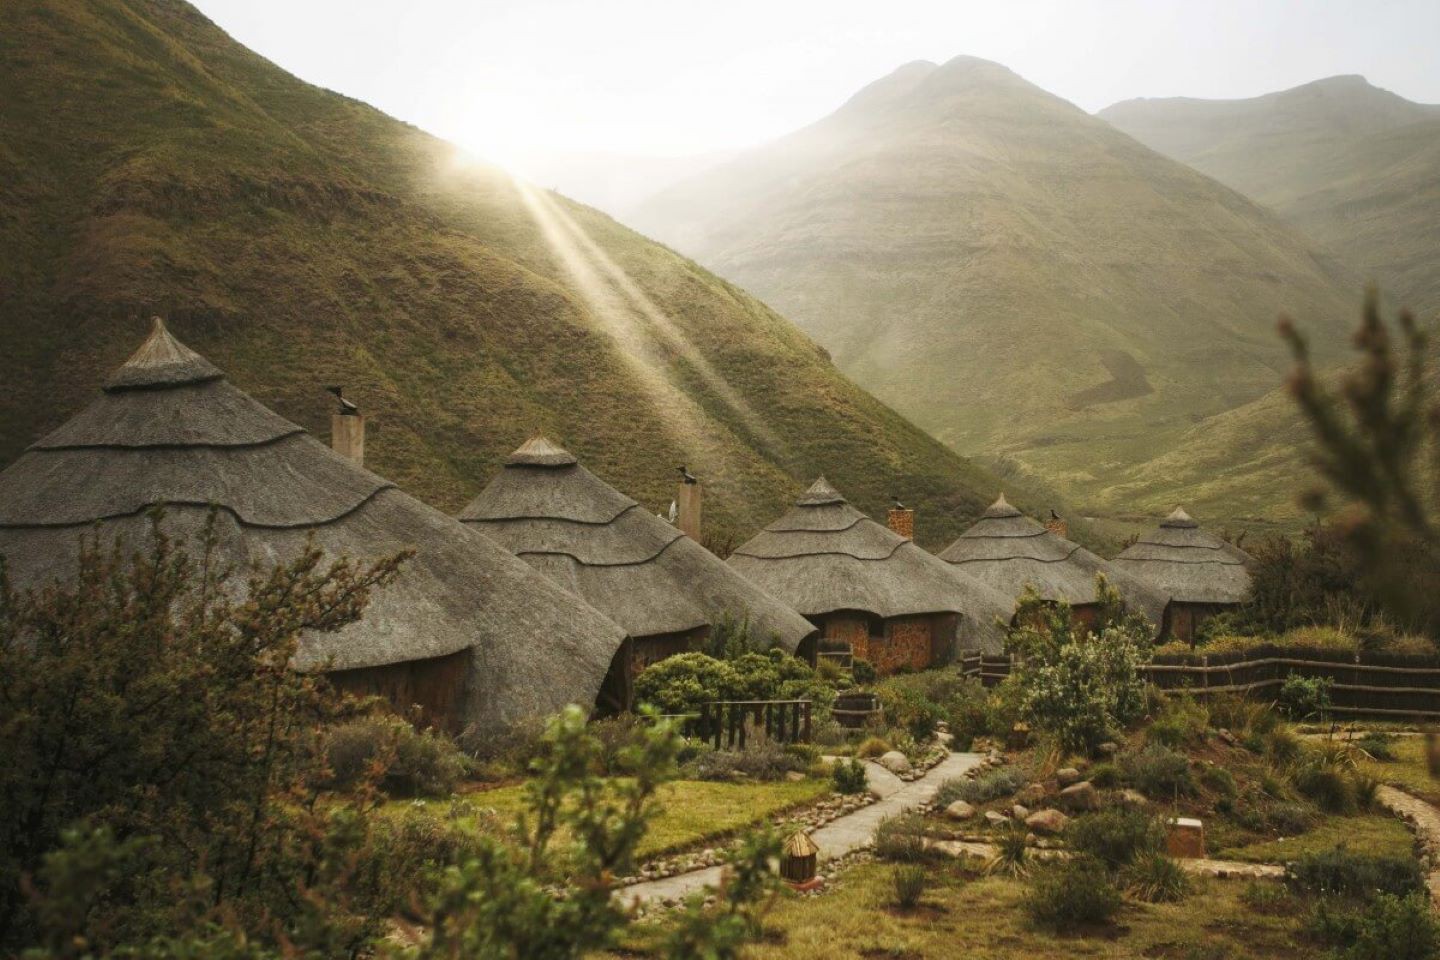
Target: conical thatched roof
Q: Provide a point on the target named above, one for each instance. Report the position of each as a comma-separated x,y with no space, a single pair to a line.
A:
1010,551
639,570
169,430
825,556
1187,564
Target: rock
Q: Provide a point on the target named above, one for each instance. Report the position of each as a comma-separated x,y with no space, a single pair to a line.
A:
794,776
1066,776
895,762
1227,736
1031,795
995,818
1081,796
1133,799
1108,749
1047,822
960,810
1019,812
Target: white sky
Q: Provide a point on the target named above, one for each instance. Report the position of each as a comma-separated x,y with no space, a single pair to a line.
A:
510,79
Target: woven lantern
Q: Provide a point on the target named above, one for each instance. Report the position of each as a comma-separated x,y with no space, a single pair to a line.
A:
798,858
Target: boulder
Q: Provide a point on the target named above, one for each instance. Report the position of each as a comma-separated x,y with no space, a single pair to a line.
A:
960,810
896,762
995,818
1133,799
1047,822
1031,795
1081,796
1066,776
1019,812
1108,749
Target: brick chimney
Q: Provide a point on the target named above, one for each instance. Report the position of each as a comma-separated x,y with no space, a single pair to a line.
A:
689,500
902,521
1057,525
347,436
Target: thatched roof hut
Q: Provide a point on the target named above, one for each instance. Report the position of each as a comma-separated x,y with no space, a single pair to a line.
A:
1010,551
169,430
640,571
1186,564
824,556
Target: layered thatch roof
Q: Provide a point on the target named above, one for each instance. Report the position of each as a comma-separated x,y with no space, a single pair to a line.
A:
640,571
1186,564
825,556
170,431
1010,551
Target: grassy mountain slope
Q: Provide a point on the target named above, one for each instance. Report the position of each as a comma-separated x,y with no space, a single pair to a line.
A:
149,164
1013,274
1354,166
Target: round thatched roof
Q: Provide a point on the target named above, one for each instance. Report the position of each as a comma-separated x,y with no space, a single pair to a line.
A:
825,556
170,431
1186,564
1010,551
640,571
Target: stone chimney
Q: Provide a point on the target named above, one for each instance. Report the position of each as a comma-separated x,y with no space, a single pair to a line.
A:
902,521
689,500
347,436
1057,525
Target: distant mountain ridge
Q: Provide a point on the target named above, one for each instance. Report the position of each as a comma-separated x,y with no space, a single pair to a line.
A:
1355,166
1012,273
151,165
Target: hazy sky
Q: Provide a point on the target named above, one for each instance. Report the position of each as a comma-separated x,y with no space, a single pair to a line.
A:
513,78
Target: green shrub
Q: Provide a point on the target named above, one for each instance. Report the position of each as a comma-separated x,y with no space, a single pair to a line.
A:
760,759
909,709
1282,747
412,763
1077,891
1378,746
1395,928
848,776
1158,772
1339,872
872,747
863,671
1003,782
682,684
1116,837
1182,721
1303,698
1266,897
1156,878
1290,819
1331,788
909,881
1105,776
1218,780
1012,853
901,838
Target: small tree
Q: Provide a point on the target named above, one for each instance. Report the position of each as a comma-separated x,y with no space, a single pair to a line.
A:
1378,448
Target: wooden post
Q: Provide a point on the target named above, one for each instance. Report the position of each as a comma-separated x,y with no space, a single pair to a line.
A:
347,436
688,502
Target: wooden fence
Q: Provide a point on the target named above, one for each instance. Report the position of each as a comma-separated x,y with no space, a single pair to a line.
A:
727,723
1364,684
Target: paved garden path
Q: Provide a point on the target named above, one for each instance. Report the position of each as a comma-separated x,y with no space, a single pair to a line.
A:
1225,869
838,837
1424,819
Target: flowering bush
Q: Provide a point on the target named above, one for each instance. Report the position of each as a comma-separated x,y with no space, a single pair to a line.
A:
1079,684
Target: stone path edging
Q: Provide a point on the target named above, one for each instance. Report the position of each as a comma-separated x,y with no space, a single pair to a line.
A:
1223,869
1424,820
836,839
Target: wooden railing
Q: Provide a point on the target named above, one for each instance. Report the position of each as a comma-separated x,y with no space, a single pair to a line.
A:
1368,684
727,723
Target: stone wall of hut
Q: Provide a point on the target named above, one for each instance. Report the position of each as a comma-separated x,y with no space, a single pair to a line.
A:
1183,620
913,642
430,692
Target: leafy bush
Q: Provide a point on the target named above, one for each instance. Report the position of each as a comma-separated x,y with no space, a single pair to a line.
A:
849,776
1339,872
911,710
1158,772
410,762
682,684
993,785
1394,928
1156,878
863,671
909,880
1116,837
901,838
1079,684
1076,891
1303,697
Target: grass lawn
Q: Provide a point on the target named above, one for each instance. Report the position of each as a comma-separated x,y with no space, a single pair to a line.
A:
984,918
1377,833
691,811
1408,771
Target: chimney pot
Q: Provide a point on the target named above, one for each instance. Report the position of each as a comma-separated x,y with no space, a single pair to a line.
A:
902,521
1059,527
347,436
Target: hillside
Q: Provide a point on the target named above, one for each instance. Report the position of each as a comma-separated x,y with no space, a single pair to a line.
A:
1353,166
149,164
1013,274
